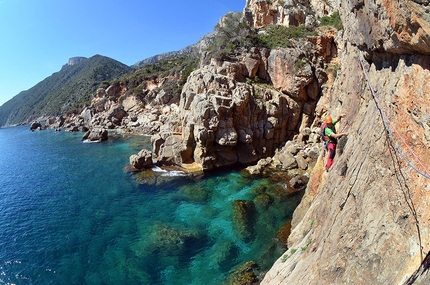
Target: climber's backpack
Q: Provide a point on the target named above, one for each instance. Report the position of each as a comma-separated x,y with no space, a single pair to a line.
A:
324,138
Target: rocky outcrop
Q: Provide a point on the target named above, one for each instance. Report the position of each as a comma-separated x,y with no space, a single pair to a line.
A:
35,126
261,13
75,60
225,121
141,160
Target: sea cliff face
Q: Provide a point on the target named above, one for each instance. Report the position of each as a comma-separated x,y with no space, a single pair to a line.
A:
366,221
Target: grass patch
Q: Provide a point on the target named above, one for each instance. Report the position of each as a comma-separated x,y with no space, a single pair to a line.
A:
277,36
307,245
333,20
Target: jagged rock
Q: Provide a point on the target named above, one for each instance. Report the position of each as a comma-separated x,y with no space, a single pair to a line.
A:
117,112
163,97
141,160
96,135
291,13
82,129
170,150
287,159
301,161
381,34
35,125
314,153
50,121
259,167
86,115
57,122
71,128
299,181
292,147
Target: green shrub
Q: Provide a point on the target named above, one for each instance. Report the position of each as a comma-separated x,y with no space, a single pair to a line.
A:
333,21
307,245
278,36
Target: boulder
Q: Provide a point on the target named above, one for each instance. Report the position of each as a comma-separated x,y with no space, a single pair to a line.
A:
96,135
299,181
141,160
301,161
117,112
288,161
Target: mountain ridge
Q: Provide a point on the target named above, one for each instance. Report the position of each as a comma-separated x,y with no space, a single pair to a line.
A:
61,91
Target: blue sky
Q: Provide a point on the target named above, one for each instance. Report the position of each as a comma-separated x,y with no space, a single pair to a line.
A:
38,37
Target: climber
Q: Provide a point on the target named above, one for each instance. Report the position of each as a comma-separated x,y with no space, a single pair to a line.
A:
331,137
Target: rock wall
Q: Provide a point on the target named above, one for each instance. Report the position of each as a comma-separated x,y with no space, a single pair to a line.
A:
367,221
261,13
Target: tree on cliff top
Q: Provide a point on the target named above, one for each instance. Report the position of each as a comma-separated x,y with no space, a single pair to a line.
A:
231,34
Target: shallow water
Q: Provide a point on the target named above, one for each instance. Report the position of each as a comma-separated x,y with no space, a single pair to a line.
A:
70,213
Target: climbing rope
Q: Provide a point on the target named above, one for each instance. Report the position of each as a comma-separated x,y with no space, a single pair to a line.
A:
386,122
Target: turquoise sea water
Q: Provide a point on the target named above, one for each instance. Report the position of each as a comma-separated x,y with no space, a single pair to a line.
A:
70,213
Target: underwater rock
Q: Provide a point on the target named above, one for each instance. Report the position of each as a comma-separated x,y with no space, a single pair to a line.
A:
284,232
243,219
157,175
244,274
172,241
263,201
194,193
225,254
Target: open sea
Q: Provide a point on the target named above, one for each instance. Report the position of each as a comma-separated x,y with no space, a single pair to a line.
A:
72,213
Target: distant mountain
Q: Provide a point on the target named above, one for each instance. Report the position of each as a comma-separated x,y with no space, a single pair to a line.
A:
74,84
196,48
158,57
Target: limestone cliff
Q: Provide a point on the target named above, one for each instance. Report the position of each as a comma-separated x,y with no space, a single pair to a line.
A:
366,221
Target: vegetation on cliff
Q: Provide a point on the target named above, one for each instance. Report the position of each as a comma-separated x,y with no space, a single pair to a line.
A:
175,69
234,35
